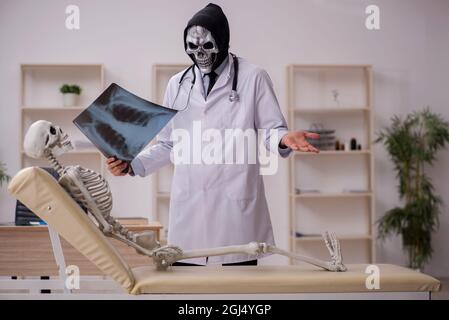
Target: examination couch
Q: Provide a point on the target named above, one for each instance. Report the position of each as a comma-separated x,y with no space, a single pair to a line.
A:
41,193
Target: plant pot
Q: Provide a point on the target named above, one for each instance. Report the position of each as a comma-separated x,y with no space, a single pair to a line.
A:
69,99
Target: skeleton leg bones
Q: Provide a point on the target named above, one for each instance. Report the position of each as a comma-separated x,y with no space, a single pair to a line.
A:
166,256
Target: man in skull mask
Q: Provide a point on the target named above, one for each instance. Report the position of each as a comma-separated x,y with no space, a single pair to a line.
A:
214,205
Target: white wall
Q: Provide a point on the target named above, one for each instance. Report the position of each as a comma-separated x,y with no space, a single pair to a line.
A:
409,55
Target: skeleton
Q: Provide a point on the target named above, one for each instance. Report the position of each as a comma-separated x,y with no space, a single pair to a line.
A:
45,140
201,44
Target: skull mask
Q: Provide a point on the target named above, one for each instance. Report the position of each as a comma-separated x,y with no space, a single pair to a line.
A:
43,138
201,44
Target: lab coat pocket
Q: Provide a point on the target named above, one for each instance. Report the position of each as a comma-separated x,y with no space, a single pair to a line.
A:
242,184
180,190
235,115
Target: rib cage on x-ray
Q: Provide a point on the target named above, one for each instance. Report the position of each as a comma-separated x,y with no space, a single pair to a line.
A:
121,124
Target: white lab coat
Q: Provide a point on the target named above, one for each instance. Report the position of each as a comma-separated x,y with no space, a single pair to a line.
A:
219,204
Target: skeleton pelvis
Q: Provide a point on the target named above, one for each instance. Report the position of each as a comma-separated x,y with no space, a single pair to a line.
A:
147,240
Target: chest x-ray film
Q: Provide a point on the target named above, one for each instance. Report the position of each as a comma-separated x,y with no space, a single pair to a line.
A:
120,124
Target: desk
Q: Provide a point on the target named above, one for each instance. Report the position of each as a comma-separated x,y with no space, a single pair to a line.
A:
27,251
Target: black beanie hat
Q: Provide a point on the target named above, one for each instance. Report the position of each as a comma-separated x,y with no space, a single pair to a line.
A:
213,19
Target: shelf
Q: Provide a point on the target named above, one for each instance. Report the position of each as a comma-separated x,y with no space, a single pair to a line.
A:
77,152
328,110
163,195
61,65
312,94
170,67
41,83
330,66
333,153
161,76
47,109
341,238
42,99
332,195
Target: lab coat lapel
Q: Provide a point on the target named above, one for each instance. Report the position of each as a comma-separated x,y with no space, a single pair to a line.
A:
199,85
225,75
221,86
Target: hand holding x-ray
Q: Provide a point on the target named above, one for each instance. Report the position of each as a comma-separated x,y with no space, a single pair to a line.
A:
117,167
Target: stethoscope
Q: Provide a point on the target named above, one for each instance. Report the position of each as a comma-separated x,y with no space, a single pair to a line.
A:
233,96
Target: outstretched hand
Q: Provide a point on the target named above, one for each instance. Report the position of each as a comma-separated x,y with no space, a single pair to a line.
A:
296,140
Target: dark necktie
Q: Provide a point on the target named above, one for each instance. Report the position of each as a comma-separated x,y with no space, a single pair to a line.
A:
212,78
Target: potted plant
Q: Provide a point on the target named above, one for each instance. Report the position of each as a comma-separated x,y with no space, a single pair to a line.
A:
70,94
3,176
413,143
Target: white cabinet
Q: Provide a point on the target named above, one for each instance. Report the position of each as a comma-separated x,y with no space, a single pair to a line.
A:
332,190
41,100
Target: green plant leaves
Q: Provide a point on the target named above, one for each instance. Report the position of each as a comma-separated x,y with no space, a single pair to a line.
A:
4,178
413,143
66,88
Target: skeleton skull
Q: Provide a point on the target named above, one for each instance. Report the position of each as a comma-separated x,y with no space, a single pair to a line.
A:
201,44
43,138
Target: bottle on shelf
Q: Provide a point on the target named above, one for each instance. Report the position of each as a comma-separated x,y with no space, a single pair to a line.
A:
353,144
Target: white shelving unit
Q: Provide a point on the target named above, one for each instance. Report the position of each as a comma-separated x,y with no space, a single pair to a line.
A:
340,183
162,179
41,100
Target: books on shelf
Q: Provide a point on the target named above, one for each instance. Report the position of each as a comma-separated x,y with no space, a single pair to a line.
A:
133,221
299,191
355,191
307,235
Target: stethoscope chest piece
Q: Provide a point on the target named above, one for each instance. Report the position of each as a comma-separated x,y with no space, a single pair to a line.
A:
234,96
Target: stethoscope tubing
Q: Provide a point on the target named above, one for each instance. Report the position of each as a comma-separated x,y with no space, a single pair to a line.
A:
233,95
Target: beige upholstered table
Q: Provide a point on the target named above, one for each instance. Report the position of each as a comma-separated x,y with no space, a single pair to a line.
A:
43,195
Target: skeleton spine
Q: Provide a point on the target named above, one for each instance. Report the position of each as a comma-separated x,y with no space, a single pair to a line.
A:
55,163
